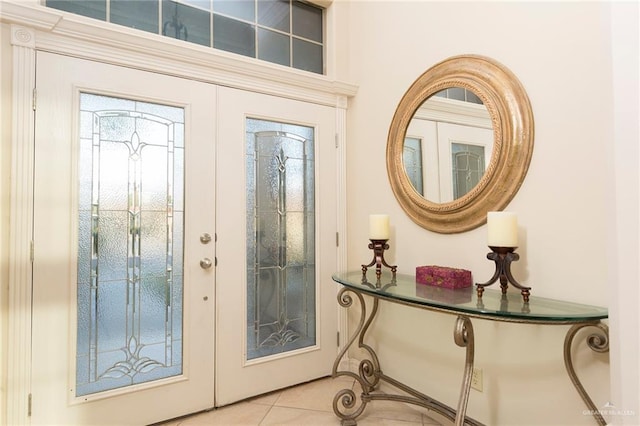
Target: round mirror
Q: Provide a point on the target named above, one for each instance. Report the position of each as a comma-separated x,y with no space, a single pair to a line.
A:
448,145
460,143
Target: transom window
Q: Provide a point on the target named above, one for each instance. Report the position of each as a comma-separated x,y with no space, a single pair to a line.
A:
285,32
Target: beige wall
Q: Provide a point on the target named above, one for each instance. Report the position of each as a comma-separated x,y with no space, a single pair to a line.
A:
561,52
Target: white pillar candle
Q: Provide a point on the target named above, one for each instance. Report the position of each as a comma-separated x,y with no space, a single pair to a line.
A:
502,229
378,227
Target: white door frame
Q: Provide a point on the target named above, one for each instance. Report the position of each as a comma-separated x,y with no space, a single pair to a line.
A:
61,33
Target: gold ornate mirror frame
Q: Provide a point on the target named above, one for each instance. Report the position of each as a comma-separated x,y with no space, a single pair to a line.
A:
512,119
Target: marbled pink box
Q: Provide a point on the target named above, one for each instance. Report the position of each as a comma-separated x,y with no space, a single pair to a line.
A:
442,276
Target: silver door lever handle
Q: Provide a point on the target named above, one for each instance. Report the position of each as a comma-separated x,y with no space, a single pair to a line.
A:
206,263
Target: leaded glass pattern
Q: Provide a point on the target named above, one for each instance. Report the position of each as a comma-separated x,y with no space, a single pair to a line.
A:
285,32
131,210
468,167
280,238
412,159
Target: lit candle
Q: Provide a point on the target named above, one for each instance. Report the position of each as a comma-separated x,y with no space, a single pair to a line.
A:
502,229
378,227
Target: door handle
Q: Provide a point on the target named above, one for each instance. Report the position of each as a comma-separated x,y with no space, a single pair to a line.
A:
206,263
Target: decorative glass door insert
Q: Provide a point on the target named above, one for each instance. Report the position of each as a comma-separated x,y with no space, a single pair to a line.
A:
281,291
467,167
412,159
130,251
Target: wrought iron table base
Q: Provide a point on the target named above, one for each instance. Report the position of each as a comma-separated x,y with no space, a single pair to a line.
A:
370,375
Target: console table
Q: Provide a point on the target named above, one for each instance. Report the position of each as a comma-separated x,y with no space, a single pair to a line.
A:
465,304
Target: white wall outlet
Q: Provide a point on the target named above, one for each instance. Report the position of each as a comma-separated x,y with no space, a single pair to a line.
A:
476,379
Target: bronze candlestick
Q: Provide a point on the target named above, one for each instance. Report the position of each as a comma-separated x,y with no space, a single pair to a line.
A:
378,247
503,256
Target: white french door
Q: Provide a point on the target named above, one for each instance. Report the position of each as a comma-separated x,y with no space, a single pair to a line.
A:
276,220
143,182
464,153
123,311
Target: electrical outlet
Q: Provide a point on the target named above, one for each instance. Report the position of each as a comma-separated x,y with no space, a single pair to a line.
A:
476,379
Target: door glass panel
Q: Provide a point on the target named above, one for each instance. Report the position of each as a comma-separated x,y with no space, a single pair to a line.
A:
280,238
468,167
412,159
130,250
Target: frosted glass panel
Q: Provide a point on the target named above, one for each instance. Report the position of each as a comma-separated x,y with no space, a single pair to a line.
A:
130,234
468,167
280,238
412,159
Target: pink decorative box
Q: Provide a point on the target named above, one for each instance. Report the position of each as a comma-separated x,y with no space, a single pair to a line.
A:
441,276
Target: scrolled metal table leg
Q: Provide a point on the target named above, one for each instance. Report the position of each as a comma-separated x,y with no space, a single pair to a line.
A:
368,371
598,342
463,336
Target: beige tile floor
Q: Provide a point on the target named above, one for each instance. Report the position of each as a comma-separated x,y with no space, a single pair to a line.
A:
307,404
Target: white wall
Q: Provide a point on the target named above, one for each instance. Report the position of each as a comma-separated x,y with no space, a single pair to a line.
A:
561,52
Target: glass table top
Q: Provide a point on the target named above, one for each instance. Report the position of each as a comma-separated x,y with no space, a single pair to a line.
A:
493,304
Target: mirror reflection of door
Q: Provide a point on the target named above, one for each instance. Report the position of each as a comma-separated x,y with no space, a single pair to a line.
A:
448,146
468,166
464,152
412,158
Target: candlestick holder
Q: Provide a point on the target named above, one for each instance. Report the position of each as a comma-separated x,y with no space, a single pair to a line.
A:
503,256
378,247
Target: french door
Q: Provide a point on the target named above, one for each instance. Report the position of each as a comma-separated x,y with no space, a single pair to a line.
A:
184,238
123,310
277,309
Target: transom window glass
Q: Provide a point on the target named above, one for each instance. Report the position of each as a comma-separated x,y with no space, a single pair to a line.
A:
285,32
459,94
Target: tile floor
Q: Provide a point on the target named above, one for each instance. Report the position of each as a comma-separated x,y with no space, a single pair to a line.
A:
307,404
